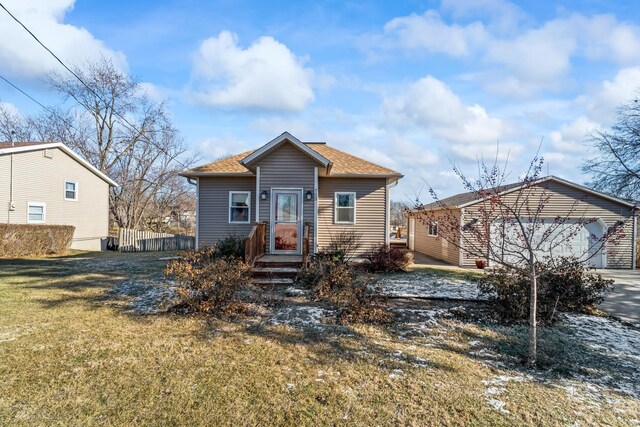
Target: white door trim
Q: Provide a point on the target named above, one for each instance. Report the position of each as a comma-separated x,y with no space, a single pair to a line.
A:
272,222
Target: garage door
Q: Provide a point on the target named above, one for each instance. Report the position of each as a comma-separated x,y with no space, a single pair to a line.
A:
569,239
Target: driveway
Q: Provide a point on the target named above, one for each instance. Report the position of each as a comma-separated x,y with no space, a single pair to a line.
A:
624,301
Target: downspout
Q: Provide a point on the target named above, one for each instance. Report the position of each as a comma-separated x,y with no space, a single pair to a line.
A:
461,249
257,194
315,210
388,213
11,206
197,184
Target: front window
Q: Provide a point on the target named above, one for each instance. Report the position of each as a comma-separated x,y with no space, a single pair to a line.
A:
36,213
433,229
70,190
239,207
345,208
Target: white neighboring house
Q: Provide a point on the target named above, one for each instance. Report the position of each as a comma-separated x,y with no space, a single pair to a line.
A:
47,183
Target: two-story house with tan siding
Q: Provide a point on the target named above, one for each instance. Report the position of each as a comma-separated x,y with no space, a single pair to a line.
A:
289,184
47,183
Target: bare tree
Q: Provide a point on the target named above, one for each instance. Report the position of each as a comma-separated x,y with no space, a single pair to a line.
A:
113,124
397,213
510,226
616,166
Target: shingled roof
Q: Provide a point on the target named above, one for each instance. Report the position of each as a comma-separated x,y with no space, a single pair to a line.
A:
342,164
465,199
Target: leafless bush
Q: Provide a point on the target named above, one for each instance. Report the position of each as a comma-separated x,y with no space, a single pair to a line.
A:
386,259
207,282
345,242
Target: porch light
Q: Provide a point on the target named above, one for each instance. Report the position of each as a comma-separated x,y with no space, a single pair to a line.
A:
263,195
308,195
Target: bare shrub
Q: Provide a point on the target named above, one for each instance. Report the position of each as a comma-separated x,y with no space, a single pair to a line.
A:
25,240
208,282
345,242
333,280
386,259
565,286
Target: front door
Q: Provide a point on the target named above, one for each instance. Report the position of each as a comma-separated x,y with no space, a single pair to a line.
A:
286,222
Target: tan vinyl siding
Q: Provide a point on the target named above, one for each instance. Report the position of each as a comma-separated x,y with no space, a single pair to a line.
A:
562,198
435,247
37,178
286,167
213,208
370,209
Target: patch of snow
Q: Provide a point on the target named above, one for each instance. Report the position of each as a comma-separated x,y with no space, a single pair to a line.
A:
301,316
148,296
295,292
411,285
612,340
498,405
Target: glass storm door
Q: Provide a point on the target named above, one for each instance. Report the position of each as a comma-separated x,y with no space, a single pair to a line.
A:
286,221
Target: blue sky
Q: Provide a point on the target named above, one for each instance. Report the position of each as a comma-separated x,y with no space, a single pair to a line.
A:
411,85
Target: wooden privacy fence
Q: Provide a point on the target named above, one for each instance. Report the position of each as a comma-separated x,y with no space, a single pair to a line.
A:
149,241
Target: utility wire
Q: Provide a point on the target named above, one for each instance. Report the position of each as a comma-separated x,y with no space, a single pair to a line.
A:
53,112
115,112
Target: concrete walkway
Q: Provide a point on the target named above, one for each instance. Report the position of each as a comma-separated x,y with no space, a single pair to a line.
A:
624,301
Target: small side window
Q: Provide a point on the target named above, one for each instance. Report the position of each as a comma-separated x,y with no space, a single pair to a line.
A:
239,207
36,212
71,190
433,229
345,208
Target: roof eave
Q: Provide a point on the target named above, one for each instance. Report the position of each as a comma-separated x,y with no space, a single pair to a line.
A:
257,154
188,174
68,151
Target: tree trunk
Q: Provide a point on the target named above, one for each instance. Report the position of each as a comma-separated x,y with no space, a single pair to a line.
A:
533,326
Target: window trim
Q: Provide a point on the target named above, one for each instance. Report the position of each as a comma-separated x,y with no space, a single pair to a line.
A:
75,191
335,207
433,224
43,205
229,207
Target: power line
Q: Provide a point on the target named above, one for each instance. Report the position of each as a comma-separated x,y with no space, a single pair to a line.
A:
53,112
115,112
25,94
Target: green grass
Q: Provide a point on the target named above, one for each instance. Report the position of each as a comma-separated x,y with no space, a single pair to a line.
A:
72,353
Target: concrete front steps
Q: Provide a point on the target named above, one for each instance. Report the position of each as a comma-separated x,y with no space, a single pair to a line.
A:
275,270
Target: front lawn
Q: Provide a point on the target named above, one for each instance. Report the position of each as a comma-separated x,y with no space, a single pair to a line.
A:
84,341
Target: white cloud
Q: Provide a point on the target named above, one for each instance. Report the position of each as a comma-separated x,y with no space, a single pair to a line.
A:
21,55
503,16
601,103
432,105
265,75
521,60
431,33
216,148
570,137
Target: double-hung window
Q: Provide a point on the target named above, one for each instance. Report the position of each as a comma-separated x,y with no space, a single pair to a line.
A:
36,212
239,207
433,229
71,190
345,208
